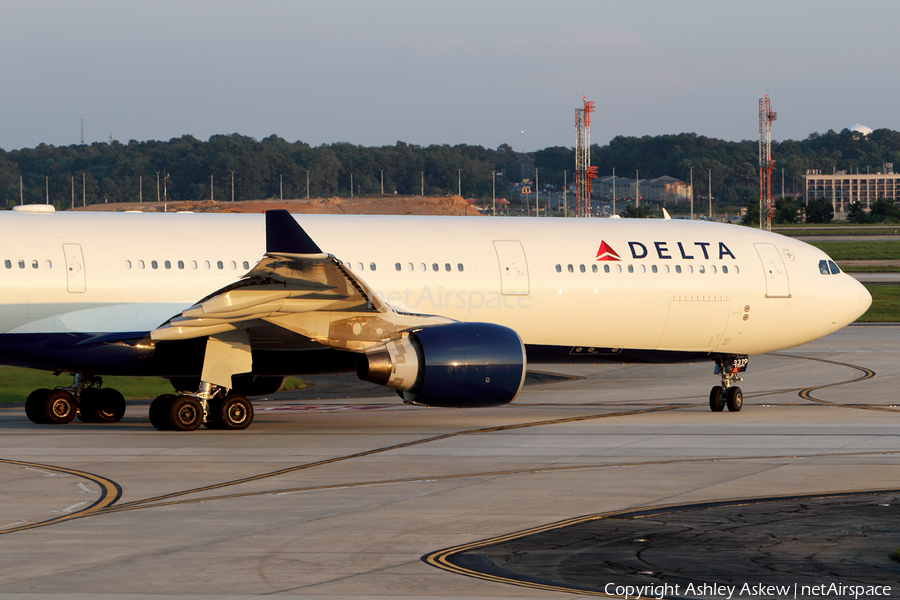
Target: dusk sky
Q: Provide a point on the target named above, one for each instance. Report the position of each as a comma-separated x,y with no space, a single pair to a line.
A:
449,72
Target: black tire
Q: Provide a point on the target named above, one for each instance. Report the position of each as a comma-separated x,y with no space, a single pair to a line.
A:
185,413
34,406
716,400
236,412
59,407
214,414
87,407
110,406
734,398
159,412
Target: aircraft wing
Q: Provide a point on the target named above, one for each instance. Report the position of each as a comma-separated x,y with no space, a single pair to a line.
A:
300,289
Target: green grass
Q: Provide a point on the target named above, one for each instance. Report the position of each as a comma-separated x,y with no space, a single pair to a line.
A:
860,250
16,384
885,304
868,268
896,554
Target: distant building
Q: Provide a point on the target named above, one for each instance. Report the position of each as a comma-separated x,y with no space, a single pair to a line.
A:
659,190
842,188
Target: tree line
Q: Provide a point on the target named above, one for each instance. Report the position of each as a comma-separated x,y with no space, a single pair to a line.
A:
274,167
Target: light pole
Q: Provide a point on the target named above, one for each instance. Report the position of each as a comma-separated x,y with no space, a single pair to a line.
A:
537,197
637,188
157,186
458,182
382,182
351,184
710,193
232,186
423,183
565,193
307,184
493,192
614,190
692,191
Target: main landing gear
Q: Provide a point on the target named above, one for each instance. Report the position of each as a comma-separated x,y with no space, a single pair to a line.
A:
85,399
726,394
213,406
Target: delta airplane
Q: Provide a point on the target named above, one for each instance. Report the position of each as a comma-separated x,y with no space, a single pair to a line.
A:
444,310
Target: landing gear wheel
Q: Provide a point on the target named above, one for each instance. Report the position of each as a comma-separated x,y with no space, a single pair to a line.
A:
34,406
236,412
716,399
59,408
87,408
734,398
185,413
159,412
110,408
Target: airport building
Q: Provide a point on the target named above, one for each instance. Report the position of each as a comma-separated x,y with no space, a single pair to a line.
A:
658,191
843,188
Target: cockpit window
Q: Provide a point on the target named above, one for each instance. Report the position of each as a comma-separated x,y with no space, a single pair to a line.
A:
827,267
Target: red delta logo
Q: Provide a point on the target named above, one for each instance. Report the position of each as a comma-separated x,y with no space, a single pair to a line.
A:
605,252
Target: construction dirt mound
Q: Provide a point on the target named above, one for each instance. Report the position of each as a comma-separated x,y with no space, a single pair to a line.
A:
368,205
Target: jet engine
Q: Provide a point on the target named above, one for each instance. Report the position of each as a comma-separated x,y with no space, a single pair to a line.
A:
455,365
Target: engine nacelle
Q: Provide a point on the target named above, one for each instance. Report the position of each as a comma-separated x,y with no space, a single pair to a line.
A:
453,365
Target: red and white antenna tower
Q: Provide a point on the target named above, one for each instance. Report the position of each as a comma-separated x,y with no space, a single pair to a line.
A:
766,208
584,172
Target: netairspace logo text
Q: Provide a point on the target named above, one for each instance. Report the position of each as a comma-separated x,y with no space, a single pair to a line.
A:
754,590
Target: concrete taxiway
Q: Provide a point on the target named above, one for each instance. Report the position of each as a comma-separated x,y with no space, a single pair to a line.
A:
332,497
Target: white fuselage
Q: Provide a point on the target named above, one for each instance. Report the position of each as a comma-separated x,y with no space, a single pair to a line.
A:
676,286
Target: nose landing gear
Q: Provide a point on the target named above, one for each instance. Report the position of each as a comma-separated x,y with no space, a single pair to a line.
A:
728,366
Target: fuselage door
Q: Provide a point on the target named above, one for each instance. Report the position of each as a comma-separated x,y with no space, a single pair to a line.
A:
74,268
513,268
777,285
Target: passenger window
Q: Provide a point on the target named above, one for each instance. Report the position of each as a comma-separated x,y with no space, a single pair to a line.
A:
233,265
140,264
737,269
666,267
206,265
435,267
180,264
154,264
48,264
654,269
725,269
21,264
678,269
8,264
618,268
690,269
571,269
631,268
447,267
371,266
581,268
606,268
410,267
834,267
422,267
127,264
701,269
360,266
643,269
594,268
247,266
712,268
823,267
558,268
397,266
34,264
220,265
459,267
168,264
193,264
